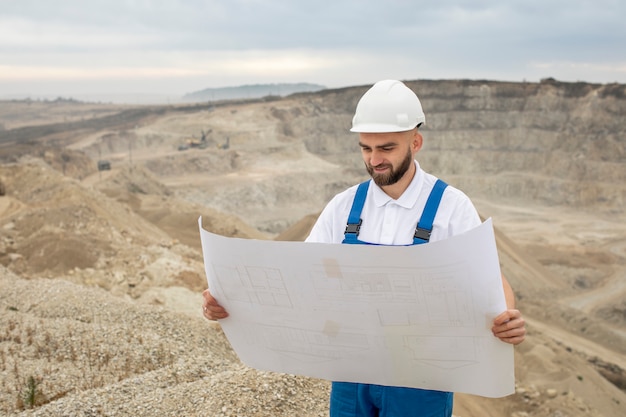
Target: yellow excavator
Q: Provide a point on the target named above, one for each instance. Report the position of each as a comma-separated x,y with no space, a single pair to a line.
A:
195,143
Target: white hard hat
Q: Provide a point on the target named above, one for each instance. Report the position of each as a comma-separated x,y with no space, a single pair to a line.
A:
389,106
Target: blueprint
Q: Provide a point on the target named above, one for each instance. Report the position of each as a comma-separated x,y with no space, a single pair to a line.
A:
413,316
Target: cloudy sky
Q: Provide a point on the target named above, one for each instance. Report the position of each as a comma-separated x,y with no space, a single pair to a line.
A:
172,47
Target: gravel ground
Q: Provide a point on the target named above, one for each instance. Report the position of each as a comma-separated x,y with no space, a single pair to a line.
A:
68,350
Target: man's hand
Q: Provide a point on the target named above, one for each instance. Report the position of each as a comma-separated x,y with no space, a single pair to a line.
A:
509,327
211,308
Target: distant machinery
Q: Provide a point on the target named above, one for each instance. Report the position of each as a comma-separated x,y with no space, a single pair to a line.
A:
203,142
224,145
203,139
104,165
195,143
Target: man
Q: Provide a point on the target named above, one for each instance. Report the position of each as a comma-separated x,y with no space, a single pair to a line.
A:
400,205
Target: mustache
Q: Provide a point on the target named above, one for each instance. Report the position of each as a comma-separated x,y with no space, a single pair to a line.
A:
383,165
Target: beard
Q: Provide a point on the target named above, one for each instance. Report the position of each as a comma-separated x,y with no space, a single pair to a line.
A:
394,175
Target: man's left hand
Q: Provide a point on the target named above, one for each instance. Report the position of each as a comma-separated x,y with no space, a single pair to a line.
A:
510,327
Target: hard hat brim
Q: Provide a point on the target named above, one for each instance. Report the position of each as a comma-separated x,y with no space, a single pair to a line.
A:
380,128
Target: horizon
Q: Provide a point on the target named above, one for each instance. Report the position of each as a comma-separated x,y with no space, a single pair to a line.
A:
139,98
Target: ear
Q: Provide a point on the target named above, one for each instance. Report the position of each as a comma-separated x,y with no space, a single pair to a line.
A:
416,141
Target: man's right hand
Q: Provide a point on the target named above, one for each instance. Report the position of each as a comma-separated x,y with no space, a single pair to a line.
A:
211,308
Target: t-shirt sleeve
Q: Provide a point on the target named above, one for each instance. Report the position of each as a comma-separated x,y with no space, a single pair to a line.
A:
464,217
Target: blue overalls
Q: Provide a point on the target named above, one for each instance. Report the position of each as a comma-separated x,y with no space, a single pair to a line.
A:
349,399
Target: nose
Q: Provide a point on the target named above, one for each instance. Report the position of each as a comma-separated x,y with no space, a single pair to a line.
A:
376,158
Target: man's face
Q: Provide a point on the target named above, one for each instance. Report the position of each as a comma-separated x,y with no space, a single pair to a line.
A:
388,156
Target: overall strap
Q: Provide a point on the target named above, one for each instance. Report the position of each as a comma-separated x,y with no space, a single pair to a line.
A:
354,219
425,225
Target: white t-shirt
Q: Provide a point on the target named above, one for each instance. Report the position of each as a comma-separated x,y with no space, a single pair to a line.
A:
392,222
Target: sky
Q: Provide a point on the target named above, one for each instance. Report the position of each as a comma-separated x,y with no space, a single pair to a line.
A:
167,48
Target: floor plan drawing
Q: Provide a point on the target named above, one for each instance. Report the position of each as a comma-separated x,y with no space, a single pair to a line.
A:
309,345
417,316
263,286
416,296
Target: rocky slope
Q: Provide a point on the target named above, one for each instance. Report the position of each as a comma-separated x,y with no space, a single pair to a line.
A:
98,266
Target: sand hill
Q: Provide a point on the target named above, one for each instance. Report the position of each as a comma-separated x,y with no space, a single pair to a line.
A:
101,271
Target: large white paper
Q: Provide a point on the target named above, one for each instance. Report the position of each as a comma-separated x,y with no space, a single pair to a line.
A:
413,316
